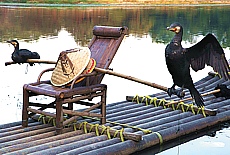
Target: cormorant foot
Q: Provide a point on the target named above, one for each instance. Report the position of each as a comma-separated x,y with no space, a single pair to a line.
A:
180,93
171,91
31,64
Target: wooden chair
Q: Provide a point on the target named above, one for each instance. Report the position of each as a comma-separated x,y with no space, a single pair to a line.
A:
103,46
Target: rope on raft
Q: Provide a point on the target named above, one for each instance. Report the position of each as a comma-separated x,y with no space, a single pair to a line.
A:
100,129
179,106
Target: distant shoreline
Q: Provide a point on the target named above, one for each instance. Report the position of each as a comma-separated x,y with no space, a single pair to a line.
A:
102,5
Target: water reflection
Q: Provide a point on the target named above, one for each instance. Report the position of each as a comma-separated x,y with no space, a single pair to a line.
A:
31,23
48,31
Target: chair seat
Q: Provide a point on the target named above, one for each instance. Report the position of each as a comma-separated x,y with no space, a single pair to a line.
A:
46,89
62,92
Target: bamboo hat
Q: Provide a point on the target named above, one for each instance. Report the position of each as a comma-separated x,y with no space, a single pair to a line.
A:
89,68
70,64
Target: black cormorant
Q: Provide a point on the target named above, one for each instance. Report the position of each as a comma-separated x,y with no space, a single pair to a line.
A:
21,55
178,59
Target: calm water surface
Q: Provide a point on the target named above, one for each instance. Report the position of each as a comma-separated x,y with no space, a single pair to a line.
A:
49,31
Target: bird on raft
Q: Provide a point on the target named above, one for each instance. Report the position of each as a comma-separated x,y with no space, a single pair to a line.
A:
21,55
179,60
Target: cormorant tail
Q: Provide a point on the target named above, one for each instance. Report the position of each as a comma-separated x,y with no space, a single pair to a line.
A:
199,101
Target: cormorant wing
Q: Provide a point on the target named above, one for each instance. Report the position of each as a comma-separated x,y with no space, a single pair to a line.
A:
27,54
208,51
24,53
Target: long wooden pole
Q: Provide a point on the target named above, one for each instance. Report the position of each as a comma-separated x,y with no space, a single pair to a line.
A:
106,71
149,84
32,61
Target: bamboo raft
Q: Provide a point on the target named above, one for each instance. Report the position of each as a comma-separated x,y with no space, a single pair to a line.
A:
132,125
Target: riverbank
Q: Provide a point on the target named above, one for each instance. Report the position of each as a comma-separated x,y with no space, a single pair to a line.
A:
101,5
72,3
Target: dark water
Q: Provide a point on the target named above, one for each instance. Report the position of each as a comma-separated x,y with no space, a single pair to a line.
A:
51,30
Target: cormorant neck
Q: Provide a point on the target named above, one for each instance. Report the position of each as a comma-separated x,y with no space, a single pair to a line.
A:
178,37
16,48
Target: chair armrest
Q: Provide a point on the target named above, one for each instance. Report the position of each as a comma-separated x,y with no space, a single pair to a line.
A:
44,71
81,76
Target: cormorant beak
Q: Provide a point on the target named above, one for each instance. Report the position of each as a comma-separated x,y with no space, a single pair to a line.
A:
12,43
173,29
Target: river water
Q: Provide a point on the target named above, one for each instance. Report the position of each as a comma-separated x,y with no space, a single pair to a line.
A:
50,30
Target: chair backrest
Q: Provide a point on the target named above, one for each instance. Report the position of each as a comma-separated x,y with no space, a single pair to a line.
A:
103,46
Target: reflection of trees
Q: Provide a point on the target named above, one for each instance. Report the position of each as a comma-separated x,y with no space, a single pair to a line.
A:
31,23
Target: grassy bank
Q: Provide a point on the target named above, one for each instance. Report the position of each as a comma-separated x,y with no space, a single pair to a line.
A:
120,1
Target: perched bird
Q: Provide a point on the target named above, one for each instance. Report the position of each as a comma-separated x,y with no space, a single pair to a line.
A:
224,91
178,59
21,55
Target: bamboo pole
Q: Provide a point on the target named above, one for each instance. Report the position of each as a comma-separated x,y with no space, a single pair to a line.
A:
102,71
131,78
22,134
152,85
78,113
167,134
38,140
190,98
32,61
75,117
196,109
106,71
41,112
55,143
113,132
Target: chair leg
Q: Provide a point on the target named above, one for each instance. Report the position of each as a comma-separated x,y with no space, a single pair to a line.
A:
59,117
70,107
103,107
25,114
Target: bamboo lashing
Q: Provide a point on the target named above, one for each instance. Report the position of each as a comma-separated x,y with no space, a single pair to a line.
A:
127,135
190,98
209,112
100,128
